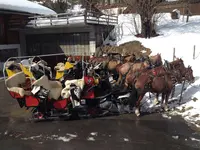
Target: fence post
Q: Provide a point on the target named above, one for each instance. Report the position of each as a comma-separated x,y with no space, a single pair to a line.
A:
50,21
67,20
85,16
174,53
35,21
194,52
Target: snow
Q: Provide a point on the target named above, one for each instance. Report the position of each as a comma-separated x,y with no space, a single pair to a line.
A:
76,10
173,34
66,138
194,139
126,140
42,22
25,6
90,139
175,137
94,133
72,16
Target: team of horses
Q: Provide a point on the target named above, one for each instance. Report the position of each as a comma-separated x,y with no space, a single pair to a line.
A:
147,74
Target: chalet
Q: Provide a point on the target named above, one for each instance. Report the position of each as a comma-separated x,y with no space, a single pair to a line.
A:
14,16
74,34
38,30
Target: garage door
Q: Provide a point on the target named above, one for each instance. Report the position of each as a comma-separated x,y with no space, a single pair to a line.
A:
71,44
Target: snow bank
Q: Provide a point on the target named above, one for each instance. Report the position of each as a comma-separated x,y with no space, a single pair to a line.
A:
173,34
76,10
25,6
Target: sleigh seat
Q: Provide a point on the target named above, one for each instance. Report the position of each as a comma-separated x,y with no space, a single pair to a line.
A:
15,84
54,87
66,91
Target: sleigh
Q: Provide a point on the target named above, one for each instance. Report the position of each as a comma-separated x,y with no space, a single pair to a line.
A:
48,97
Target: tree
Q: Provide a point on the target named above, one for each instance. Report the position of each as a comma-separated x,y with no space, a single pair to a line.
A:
59,6
147,10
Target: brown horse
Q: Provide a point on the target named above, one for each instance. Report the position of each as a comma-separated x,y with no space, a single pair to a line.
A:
188,76
159,84
155,84
178,65
179,69
156,60
129,70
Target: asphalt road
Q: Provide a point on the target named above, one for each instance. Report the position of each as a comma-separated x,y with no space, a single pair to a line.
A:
152,132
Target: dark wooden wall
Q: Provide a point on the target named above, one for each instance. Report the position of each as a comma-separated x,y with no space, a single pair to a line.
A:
9,23
181,6
57,43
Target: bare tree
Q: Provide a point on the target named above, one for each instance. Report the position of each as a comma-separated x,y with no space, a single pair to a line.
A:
188,12
146,9
59,6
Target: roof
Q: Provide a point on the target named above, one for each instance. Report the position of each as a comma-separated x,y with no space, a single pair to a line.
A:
25,6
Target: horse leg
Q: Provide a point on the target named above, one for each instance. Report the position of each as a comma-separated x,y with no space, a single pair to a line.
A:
119,79
155,102
163,98
133,98
166,101
149,95
137,111
173,92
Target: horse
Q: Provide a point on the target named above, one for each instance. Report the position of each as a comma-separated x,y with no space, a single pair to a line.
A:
159,84
148,83
178,68
177,64
188,76
129,68
156,60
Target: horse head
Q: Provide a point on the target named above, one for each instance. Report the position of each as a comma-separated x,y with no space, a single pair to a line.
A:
178,64
189,75
158,60
147,63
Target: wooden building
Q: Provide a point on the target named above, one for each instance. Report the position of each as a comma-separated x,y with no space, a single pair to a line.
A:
12,19
73,35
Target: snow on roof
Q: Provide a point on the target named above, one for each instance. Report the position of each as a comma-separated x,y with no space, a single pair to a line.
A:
25,6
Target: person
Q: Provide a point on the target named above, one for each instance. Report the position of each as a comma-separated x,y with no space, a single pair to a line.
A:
147,26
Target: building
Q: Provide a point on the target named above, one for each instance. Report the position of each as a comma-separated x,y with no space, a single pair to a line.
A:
38,30
74,34
14,16
192,7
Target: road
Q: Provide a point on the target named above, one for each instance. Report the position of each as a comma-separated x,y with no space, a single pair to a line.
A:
18,132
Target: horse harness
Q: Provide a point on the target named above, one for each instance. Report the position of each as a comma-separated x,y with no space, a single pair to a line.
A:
124,75
152,75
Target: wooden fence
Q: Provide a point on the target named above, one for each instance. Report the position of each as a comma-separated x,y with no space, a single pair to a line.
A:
87,17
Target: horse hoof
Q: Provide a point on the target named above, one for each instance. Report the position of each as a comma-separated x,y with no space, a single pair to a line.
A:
166,108
137,112
155,102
